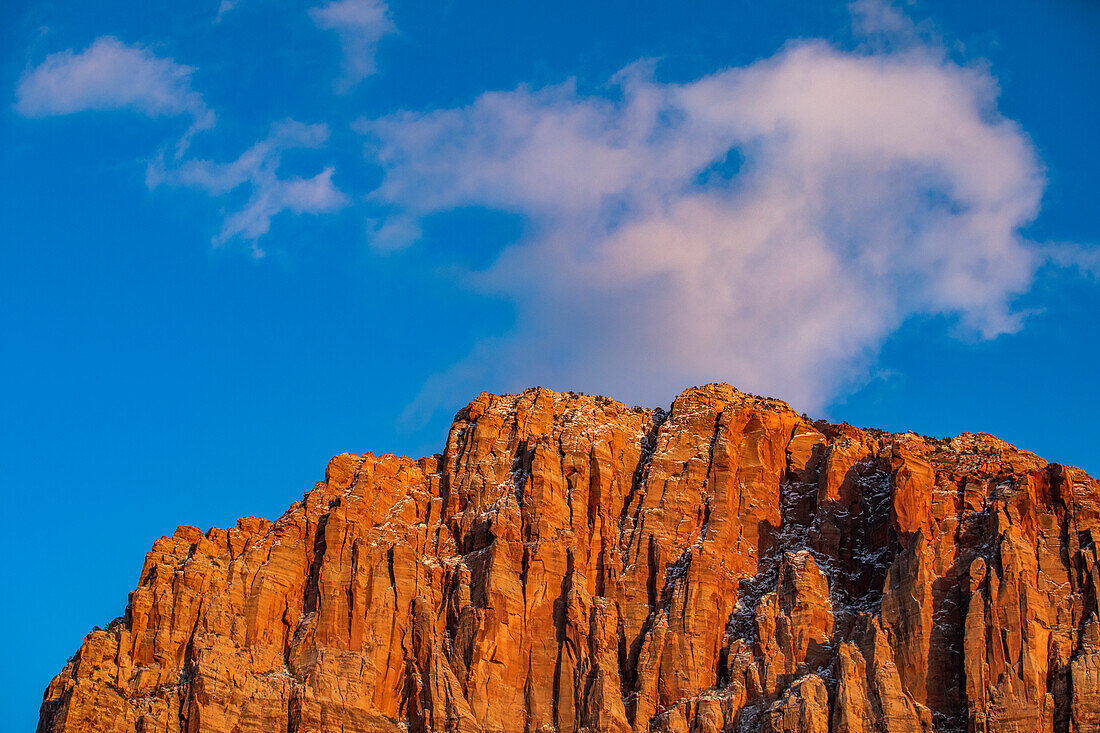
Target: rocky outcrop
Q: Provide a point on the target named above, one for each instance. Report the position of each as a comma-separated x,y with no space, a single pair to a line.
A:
569,563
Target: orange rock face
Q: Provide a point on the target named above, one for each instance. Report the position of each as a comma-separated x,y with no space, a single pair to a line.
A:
572,564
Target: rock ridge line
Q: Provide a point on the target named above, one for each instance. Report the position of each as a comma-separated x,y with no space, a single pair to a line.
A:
570,563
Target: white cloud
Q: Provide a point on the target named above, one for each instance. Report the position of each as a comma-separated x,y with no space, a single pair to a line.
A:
360,24
110,75
1070,255
224,7
873,188
258,168
881,19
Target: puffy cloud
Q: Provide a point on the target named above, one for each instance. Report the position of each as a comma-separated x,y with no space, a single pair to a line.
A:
258,168
770,224
110,75
360,24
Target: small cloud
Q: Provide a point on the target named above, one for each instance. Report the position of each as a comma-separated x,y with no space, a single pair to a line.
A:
1086,260
883,26
874,17
224,7
258,168
111,75
360,25
393,233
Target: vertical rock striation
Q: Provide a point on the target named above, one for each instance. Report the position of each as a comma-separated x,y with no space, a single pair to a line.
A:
572,564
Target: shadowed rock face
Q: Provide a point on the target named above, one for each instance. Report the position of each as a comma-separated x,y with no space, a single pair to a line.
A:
570,563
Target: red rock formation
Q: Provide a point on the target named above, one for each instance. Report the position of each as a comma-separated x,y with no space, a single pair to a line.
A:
569,563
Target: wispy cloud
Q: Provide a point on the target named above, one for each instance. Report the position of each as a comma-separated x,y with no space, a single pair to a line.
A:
771,224
111,75
1070,255
877,18
258,168
224,7
360,25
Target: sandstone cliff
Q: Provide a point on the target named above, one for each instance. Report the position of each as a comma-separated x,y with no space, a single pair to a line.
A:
569,564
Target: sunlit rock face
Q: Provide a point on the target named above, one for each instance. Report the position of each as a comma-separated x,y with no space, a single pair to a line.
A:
569,563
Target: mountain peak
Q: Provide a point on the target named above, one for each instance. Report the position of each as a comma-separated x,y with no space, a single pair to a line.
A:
571,563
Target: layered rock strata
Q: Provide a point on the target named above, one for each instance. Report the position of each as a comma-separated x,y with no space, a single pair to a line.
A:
573,564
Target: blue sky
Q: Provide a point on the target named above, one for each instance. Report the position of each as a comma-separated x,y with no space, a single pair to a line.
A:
241,238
